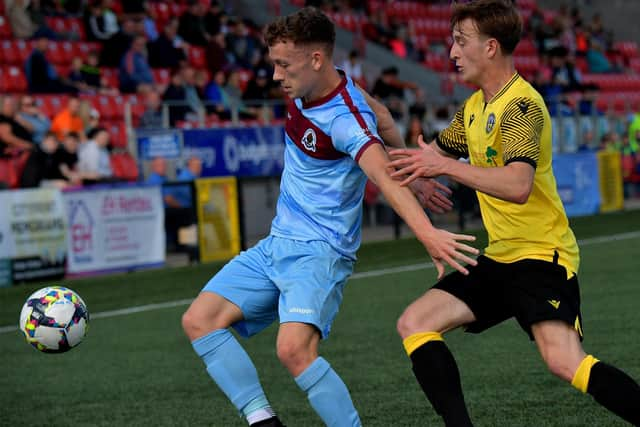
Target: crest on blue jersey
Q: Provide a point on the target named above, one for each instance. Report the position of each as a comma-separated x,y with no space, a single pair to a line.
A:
309,140
491,121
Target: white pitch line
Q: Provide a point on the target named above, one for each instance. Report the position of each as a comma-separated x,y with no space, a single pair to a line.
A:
363,275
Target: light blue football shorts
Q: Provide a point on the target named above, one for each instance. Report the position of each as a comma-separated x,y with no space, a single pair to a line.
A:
294,280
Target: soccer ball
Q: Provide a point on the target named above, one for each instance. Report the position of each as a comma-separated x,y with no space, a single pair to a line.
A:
54,319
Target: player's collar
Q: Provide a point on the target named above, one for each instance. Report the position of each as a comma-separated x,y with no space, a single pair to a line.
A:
504,88
330,95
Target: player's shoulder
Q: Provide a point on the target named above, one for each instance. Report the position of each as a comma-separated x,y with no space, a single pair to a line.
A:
522,91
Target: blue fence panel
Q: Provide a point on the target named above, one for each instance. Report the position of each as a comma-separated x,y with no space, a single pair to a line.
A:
241,152
578,182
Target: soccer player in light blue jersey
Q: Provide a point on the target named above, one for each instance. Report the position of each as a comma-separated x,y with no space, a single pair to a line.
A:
298,272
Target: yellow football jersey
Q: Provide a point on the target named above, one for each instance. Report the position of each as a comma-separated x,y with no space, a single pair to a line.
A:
514,126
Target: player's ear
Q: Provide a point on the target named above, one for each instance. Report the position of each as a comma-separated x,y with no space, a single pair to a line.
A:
317,59
491,47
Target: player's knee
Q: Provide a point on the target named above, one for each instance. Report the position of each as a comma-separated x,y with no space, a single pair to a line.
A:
196,324
190,324
408,324
294,355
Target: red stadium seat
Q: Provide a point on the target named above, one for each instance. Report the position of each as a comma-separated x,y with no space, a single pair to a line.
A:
117,132
196,56
60,53
5,28
124,166
13,80
161,76
15,52
67,26
52,104
82,49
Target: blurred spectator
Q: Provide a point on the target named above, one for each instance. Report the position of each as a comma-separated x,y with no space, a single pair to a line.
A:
168,50
26,20
134,9
68,155
117,45
33,118
93,157
44,165
176,214
191,92
135,73
233,94
441,121
152,116
75,76
68,120
241,44
13,135
390,89
100,22
90,116
352,67
91,76
212,18
192,24
564,72
597,60
175,96
41,75
414,130
215,97
634,133
216,54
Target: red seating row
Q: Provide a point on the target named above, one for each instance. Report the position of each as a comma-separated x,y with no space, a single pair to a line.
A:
614,82
67,26
17,51
124,166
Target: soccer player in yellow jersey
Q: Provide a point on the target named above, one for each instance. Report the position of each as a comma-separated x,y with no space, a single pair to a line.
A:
529,270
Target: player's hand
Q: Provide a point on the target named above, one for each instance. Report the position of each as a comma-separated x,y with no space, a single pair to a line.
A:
432,195
447,248
417,162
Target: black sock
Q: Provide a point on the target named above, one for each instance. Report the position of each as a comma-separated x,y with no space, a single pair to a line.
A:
616,391
437,372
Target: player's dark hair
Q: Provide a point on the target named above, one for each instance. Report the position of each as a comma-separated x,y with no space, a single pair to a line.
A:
305,27
498,19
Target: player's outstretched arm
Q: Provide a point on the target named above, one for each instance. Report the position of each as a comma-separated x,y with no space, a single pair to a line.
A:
443,246
512,182
430,193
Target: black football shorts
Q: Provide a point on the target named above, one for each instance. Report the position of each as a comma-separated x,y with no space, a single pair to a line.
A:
530,290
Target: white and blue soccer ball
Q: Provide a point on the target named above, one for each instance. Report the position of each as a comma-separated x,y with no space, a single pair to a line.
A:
54,319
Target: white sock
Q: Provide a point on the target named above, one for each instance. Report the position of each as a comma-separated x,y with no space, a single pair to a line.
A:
260,415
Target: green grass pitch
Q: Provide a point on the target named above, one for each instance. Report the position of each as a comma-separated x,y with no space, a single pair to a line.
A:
139,369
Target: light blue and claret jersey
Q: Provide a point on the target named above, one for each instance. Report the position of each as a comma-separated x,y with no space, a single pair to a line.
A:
322,185
514,126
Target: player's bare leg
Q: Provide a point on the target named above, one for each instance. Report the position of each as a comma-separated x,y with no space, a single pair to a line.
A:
297,348
560,347
421,327
206,323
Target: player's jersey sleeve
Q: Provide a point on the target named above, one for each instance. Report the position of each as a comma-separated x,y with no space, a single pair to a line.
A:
352,133
453,139
521,128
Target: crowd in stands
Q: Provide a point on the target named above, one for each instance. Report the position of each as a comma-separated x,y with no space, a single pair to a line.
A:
69,67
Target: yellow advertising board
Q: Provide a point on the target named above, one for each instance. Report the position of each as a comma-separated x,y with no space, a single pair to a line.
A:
218,218
611,192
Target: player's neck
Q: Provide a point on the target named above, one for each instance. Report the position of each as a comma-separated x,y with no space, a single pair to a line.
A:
326,84
495,79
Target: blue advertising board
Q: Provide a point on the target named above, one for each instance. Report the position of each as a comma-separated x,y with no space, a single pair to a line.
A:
158,143
242,152
578,182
